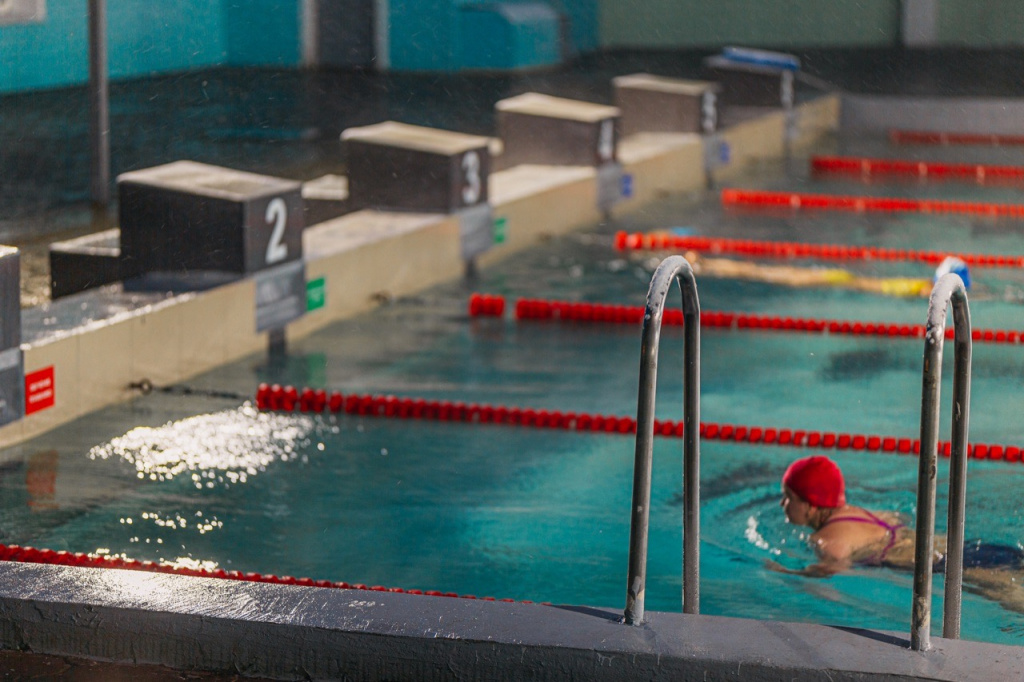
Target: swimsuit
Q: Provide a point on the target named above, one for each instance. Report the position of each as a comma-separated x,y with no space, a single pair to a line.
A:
890,528
902,286
981,555
976,553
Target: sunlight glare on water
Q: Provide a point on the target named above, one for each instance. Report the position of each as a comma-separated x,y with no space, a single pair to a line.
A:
223,448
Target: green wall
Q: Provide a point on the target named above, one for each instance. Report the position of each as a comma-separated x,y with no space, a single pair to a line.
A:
769,23
426,35
984,23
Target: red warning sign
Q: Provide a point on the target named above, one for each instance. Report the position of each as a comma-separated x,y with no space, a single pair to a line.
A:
40,392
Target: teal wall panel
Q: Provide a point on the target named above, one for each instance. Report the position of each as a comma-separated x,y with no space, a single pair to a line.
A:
584,23
263,32
146,37
423,35
495,36
779,23
48,54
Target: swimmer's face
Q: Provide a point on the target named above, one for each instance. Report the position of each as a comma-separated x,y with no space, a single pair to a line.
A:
798,511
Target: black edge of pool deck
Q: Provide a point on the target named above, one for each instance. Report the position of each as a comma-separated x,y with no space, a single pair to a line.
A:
297,633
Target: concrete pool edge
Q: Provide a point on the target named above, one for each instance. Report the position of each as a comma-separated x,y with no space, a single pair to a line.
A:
288,632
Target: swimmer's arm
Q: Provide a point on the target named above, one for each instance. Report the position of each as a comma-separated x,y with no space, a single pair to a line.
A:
833,557
818,570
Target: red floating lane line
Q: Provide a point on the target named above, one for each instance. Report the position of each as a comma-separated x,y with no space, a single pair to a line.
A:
837,252
33,555
828,202
527,309
579,421
866,167
946,138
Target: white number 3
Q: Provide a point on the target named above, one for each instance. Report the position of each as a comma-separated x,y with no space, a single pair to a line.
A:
277,213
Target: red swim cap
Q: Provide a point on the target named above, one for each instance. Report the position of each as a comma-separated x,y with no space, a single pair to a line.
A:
817,480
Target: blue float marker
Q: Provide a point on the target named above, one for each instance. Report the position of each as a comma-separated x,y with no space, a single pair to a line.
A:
746,55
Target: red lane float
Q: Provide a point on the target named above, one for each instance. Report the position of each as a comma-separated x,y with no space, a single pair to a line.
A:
865,204
865,167
274,398
638,241
537,309
32,555
929,137
483,305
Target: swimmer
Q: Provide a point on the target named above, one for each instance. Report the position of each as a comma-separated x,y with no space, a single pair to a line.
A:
845,536
791,275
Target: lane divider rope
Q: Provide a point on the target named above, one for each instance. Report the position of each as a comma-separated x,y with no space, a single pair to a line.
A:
289,399
929,137
638,241
34,555
865,204
863,166
484,305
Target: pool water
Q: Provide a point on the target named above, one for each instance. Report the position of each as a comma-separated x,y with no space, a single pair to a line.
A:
543,514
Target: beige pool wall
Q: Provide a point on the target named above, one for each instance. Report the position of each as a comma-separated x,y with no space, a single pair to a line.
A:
368,256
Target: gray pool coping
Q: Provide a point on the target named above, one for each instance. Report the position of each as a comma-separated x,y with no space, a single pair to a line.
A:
296,633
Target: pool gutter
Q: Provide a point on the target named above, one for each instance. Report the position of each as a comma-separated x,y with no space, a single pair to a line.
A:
297,633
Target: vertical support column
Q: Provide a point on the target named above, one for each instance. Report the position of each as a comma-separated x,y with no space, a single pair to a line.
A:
99,105
310,20
382,34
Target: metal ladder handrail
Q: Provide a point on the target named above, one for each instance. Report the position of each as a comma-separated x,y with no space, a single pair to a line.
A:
672,268
949,289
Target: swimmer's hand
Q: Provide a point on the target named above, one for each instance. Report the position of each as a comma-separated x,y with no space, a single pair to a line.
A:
811,571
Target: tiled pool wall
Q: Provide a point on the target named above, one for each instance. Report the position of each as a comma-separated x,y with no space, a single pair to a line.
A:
367,255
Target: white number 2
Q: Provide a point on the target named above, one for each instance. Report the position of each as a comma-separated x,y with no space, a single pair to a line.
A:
471,167
277,213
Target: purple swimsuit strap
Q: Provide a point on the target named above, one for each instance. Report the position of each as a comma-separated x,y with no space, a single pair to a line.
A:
890,528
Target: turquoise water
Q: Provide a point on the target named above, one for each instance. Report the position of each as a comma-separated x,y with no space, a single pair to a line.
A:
542,514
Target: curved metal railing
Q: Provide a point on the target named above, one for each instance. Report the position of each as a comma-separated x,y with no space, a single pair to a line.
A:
672,268
949,289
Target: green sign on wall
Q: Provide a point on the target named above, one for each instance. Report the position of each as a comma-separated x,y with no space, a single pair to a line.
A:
315,295
500,227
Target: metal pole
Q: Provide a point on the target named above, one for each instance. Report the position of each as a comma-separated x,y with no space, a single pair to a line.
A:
949,287
99,111
958,466
691,444
675,267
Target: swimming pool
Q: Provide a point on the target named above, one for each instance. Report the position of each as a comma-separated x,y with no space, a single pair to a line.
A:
542,515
